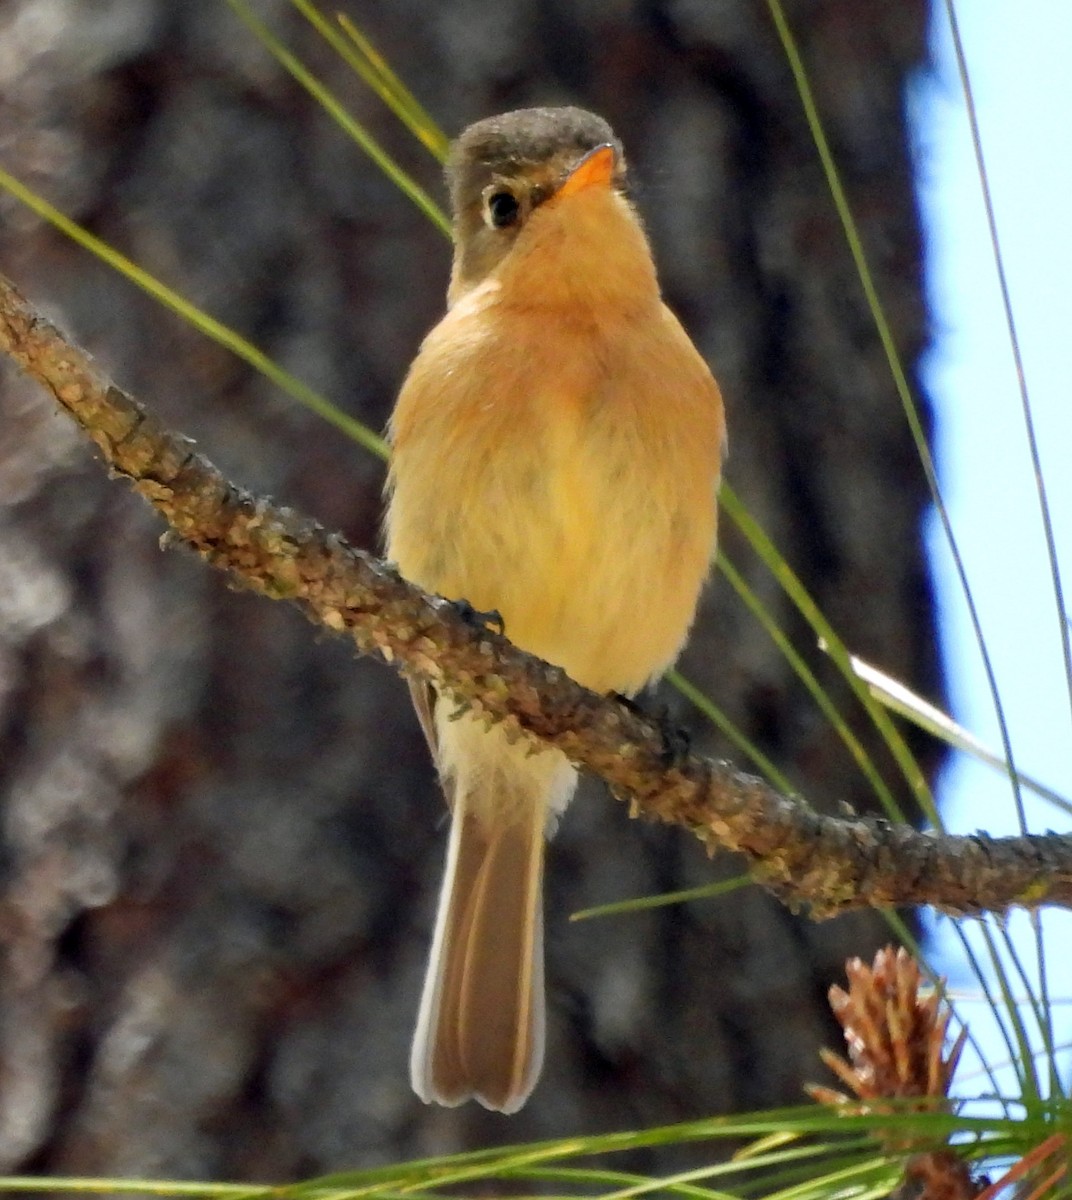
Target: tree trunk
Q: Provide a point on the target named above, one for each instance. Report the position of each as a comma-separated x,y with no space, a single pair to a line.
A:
222,836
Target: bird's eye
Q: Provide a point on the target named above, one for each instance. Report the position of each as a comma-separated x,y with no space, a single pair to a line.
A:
503,209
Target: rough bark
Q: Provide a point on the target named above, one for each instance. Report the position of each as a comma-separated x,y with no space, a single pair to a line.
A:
831,864
221,836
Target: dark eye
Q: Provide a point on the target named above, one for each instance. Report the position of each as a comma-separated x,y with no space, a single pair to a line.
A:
503,209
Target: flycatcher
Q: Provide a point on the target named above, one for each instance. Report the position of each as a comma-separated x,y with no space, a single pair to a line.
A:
557,446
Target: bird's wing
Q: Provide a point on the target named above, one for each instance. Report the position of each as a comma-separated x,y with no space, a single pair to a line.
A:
423,696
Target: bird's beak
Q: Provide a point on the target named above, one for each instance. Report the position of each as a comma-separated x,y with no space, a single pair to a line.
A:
596,168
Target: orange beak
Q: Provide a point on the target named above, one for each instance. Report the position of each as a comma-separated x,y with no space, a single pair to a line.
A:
596,168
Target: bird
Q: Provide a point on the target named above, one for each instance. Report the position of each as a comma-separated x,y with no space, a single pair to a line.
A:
556,451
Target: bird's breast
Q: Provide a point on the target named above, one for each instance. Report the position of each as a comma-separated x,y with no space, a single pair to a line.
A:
561,470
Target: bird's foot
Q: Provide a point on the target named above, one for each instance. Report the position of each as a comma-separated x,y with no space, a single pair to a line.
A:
480,620
676,741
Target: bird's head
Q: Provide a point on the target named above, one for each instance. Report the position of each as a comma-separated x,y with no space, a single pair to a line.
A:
542,190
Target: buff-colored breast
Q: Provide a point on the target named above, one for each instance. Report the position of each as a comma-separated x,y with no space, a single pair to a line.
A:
562,469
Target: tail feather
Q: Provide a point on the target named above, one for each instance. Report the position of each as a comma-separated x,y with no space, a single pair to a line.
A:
480,1031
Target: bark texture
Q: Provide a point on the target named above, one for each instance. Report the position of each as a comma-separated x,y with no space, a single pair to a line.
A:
221,837
807,857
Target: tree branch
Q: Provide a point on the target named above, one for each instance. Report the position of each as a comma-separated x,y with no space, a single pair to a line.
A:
829,864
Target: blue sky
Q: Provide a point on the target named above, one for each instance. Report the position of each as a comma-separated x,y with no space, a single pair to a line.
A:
1018,61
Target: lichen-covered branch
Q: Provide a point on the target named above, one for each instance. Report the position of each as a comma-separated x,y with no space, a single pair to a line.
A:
828,864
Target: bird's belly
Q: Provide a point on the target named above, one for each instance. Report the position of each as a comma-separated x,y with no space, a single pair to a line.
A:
592,549
561,471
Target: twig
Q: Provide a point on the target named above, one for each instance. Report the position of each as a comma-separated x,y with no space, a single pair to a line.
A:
826,863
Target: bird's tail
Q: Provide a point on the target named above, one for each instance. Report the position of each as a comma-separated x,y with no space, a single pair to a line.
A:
480,1031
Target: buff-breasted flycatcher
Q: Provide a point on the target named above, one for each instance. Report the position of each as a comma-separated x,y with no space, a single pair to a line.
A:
557,446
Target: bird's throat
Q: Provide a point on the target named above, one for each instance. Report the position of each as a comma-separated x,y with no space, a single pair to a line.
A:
586,252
